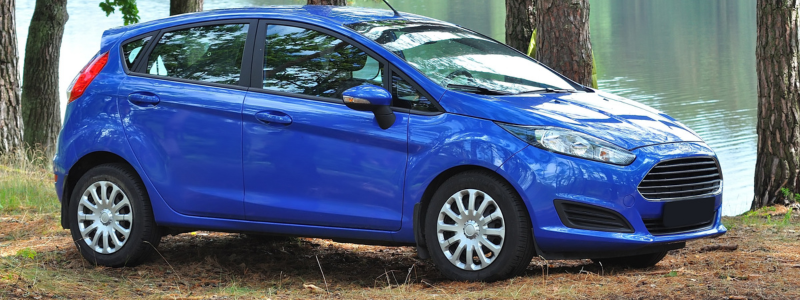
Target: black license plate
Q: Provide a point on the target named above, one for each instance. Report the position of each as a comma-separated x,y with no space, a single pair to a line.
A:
688,212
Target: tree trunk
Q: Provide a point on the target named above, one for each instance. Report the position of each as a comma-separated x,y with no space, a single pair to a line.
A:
520,22
10,113
562,38
40,97
777,61
177,7
327,2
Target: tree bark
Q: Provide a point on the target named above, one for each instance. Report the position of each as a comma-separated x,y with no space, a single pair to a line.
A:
40,97
327,2
177,7
777,60
562,38
10,113
520,22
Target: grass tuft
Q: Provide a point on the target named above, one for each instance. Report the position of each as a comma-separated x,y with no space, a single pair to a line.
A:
26,184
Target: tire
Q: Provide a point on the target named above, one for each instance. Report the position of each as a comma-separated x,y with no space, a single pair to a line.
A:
503,213
636,261
99,197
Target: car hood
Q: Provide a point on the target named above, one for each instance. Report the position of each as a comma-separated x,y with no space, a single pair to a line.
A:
621,121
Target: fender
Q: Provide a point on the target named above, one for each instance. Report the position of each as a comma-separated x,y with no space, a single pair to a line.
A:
438,148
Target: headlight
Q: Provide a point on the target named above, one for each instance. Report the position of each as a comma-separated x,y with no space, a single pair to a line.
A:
571,143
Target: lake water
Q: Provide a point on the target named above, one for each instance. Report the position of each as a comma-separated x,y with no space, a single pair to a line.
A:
694,60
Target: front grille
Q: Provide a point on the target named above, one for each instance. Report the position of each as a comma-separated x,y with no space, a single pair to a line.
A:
585,216
682,178
656,227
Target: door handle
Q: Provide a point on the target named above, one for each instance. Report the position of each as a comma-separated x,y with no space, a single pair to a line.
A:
274,117
143,99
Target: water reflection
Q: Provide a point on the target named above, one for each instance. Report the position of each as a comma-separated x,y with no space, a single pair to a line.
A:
693,60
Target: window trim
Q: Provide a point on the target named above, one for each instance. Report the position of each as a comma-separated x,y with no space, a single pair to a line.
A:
257,75
416,86
142,52
257,79
247,55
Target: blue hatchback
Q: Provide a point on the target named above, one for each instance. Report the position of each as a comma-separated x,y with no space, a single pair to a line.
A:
375,127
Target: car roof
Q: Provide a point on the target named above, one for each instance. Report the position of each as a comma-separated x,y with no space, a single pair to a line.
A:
319,14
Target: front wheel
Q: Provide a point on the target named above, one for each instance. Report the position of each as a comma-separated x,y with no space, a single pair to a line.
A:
111,220
477,228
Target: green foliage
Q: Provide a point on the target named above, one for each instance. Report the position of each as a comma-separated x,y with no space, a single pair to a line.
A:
26,184
532,45
27,252
671,274
790,195
130,13
594,70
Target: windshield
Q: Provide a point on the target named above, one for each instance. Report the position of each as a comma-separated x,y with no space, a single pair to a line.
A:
457,58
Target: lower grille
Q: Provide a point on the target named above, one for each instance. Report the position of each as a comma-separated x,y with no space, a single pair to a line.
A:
585,216
656,227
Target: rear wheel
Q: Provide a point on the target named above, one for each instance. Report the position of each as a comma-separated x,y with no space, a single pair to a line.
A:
635,261
111,220
477,228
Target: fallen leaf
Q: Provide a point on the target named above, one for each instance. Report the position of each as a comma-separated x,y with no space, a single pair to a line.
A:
313,288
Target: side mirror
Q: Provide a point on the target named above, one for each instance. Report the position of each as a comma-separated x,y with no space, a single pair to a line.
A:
371,98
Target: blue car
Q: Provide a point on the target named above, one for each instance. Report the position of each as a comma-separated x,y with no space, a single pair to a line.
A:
374,127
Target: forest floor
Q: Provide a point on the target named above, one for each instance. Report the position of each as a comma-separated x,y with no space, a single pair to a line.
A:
39,261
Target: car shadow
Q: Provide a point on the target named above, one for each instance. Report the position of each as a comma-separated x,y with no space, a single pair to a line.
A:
279,257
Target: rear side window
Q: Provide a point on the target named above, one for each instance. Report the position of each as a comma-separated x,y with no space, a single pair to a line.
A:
309,62
132,49
207,53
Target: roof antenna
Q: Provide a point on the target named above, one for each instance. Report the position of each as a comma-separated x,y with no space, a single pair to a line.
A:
396,13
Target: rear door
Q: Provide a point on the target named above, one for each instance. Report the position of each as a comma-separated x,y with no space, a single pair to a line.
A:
181,107
308,159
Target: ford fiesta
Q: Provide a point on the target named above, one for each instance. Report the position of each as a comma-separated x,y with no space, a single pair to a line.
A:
369,126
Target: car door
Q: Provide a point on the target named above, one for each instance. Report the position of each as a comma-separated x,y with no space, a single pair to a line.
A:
308,159
181,109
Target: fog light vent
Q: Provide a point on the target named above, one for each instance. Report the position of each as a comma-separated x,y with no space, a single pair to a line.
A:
585,216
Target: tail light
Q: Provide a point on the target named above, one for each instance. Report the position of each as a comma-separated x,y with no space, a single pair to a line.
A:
85,77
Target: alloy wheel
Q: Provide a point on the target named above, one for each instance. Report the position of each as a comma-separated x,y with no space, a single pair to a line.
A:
470,229
105,217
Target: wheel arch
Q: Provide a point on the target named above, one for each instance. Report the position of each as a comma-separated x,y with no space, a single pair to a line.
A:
80,167
421,208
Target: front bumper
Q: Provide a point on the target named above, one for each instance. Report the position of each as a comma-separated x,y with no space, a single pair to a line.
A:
543,177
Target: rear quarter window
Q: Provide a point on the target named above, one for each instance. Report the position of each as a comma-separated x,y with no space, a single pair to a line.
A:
131,50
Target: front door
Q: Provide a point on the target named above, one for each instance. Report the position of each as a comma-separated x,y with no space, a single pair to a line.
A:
308,159
181,109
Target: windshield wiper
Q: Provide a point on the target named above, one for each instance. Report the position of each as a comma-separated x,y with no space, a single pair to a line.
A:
547,90
476,89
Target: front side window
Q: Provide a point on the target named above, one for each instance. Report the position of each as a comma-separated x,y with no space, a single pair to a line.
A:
454,57
206,53
309,62
131,50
